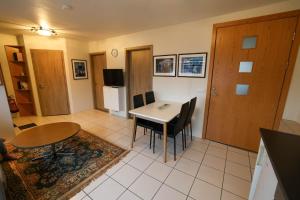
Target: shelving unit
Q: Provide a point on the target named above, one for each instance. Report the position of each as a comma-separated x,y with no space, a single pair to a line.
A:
16,58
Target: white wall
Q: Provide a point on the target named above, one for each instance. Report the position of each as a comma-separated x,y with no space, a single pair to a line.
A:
82,95
183,38
292,108
6,124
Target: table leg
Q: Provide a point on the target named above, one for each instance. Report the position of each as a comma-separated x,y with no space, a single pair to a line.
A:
133,130
165,142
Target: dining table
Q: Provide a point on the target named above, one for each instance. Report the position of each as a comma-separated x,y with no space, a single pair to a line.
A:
160,112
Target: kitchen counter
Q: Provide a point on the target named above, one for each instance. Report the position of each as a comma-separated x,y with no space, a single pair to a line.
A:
284,152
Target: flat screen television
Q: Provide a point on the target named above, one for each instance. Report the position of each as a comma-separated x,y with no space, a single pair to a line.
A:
113,77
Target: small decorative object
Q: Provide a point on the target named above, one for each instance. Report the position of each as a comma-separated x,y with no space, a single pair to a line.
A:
79,69
192,65
18,57
165,65
24,85
114,52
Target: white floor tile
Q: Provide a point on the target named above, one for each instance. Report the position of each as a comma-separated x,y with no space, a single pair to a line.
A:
126,175
238,158
198,147
188,166
145,187
214,162
115,168
167,193
229,196
129,156
109,190
238,170
204,191
95,183
78,196
237,150
193,155
211,175
129,196
215,151
149,153
170,159
236,186
159,171
180,181
140,162
218,145
86,198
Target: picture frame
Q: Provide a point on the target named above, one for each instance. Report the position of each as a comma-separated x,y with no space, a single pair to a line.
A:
165,65
192,65
79,68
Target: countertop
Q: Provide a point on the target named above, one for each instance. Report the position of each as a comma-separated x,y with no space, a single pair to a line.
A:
284,152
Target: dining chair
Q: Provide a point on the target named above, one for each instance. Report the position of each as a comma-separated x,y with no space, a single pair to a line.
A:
173,129
150,97
138,101
188,121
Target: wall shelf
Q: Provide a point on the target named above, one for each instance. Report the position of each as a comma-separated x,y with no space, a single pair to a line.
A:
19,73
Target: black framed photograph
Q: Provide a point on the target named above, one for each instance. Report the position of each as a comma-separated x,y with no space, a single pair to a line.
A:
79,69
192,65
165,65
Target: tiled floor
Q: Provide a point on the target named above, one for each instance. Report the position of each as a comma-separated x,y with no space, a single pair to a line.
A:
206,170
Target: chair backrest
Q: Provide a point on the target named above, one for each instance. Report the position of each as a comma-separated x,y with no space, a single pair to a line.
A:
182,117
149,97
191,110
138,101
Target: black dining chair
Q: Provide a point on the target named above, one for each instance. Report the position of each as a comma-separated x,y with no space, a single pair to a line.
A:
188,121
149,97
173,129
138,101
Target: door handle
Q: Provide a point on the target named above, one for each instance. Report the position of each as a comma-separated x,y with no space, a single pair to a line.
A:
214,91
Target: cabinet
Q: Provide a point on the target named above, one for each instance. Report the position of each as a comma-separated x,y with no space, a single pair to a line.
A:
114,98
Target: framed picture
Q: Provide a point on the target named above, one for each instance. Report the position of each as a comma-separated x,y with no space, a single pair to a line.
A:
192,65
79,69
164,65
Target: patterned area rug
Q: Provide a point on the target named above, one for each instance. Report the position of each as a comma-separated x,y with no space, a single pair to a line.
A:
63,177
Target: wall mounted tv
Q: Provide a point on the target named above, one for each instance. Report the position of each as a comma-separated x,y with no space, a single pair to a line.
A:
113,77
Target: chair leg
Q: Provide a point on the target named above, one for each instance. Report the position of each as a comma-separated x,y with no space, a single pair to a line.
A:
174,148
135,134
144,131
150,138
185,138
153,142
191,131
182,135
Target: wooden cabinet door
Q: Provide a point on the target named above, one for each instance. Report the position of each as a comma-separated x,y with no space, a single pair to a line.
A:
243,99
98,64
51,83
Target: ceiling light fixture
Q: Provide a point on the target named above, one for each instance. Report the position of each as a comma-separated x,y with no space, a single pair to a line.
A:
44,31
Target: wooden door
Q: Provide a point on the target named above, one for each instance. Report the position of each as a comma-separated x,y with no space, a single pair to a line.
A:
51,81
98,64
140,72
234,118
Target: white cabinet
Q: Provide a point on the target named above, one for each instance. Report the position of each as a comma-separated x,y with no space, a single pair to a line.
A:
264,180
114,98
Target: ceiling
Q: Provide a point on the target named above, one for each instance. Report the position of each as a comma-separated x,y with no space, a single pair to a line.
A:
98,19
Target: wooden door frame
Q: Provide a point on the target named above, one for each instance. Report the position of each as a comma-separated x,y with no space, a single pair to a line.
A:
127,68
92,75
288,73
37,80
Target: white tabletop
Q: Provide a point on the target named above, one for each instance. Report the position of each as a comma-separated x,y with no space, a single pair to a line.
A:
159,111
